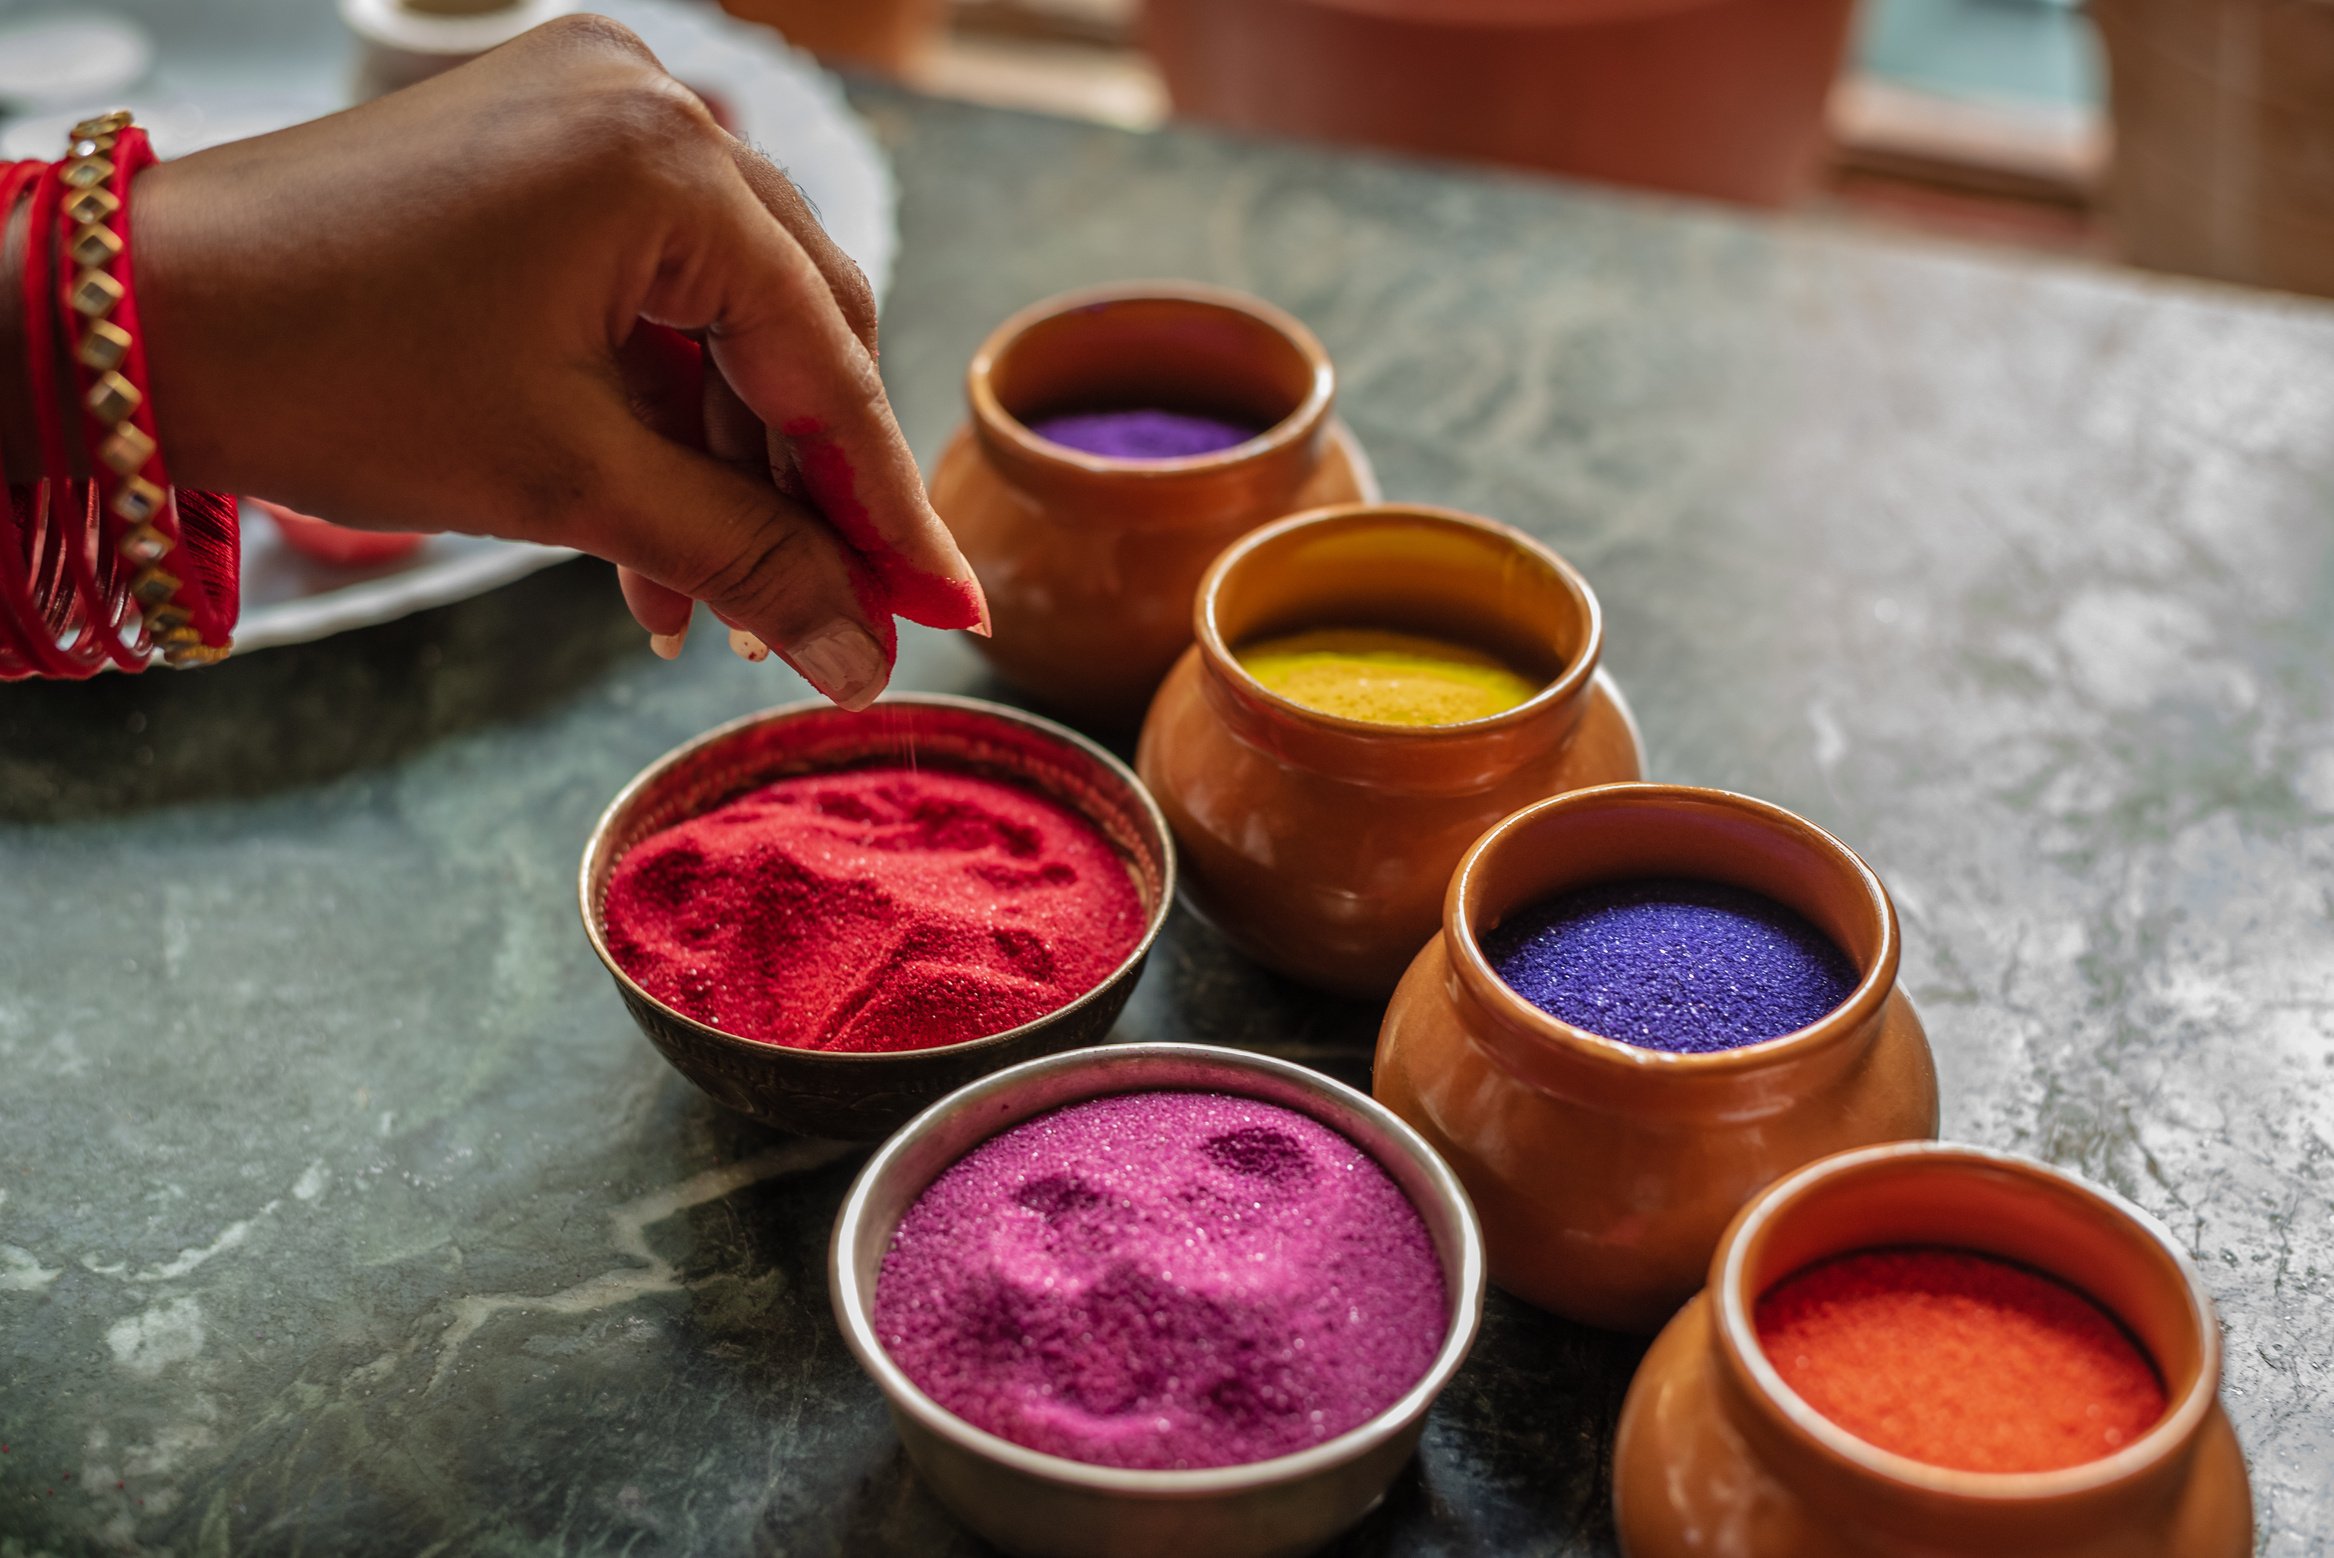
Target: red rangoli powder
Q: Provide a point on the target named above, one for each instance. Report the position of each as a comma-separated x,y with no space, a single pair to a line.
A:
882,908
1959,1360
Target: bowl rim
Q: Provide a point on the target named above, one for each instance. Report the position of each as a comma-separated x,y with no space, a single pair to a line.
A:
1154,922
854,1304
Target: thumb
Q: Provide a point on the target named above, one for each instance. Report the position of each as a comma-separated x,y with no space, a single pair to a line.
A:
712,532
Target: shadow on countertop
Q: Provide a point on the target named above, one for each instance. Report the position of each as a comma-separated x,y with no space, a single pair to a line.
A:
307,713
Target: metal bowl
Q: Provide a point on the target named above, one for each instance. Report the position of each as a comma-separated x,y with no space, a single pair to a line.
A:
859,1097
1028,1502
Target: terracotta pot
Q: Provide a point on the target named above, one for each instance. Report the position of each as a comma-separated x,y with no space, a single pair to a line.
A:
1605,1172
887,35
1716,1455
1321,846
1090,562
1707,97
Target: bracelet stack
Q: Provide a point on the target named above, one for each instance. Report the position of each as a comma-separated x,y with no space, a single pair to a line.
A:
101,560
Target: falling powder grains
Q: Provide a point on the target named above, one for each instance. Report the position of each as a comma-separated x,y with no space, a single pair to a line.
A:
1163,1280
1959,1360
881,908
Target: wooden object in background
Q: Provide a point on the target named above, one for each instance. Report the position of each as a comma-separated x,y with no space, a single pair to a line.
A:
2224,137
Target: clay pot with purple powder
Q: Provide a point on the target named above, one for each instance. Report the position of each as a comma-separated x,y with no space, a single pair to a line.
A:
1321,844
1727,978
1119,438
1718,1453
1158,1299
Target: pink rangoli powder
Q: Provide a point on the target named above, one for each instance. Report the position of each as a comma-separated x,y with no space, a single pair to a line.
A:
1163,1280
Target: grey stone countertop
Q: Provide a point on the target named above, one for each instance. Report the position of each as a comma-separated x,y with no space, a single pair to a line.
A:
343,1211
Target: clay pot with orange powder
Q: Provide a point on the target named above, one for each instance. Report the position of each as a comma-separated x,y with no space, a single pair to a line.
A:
1090,561
1321,845
1716,1454
1722,98
1605,1172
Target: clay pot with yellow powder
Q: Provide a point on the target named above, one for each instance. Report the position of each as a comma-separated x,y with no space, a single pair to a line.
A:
1320,845
1090,561
1605,1172
1718,1457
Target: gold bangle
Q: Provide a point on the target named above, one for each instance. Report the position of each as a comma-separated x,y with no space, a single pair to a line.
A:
103,346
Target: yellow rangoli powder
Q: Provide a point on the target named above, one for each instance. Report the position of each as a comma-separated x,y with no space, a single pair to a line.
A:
1385,678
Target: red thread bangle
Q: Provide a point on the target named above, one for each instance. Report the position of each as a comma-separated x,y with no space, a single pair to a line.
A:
46,600
72,542
21,623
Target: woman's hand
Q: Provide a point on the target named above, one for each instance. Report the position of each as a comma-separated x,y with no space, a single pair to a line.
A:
427,313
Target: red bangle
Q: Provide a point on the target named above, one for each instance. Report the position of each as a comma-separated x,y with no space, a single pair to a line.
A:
40,619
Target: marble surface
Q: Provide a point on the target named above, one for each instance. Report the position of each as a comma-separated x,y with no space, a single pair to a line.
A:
342,1210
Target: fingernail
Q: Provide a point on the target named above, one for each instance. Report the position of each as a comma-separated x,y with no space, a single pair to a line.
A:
985,627
843,661
668,645
957,568
747,647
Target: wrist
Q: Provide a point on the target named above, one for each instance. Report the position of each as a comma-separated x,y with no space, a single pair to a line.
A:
171,311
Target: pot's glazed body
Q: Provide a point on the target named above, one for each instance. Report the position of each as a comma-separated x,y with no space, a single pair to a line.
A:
1604,1172
1089,561
1321,846
1717,1456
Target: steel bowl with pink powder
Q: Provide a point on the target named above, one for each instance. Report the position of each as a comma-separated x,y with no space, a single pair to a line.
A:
1164,1280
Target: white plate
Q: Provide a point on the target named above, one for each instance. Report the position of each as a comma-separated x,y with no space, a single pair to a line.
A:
66,57
780,101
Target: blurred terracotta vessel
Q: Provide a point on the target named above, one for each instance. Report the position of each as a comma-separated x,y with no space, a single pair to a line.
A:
1319,845
1605,1172
1716,1455
1708,97
886,35
1090,562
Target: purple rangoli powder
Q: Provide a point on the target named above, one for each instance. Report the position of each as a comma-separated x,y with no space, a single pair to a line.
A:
1163,1280
1689,967
1145,433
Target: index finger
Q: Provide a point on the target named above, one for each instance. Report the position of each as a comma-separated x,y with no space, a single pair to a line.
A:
780,338
784,199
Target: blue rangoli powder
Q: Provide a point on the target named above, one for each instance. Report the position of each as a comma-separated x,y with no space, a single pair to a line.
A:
1143,433
1688,967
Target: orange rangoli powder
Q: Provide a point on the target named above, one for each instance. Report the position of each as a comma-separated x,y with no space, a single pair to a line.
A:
1959,1360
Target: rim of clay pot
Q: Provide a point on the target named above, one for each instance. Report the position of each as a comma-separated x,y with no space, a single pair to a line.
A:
1568,684
1287,438
603,852
1006,1098
2076,1207
1463,908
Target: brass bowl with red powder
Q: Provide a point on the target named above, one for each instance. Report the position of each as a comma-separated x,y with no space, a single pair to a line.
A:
1717,1453
861,1096
1036,1505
